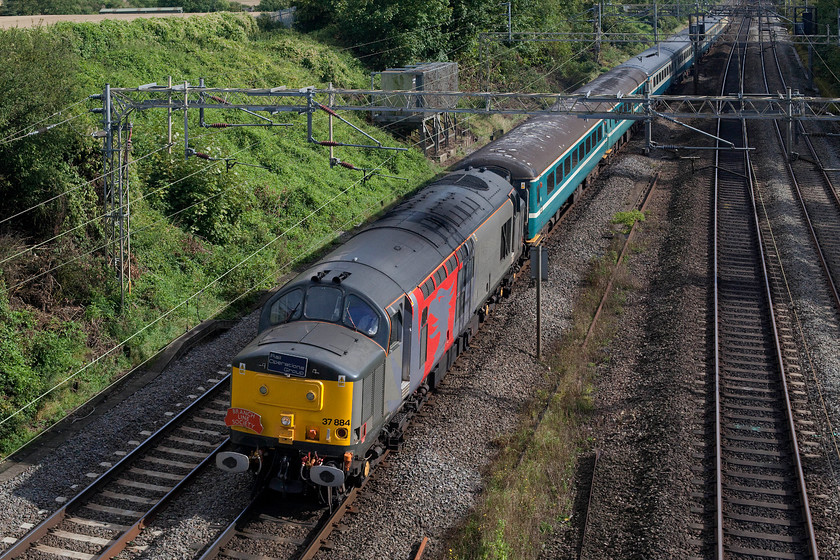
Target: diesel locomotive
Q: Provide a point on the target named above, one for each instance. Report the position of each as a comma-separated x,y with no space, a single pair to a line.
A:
347,346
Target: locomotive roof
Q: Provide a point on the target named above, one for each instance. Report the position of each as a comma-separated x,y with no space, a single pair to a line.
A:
397,252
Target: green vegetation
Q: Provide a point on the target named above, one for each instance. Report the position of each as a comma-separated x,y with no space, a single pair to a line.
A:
528,494
50,7
628,219
397,32
197,226
827,57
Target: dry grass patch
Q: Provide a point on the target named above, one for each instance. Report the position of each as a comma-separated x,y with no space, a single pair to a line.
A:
529,492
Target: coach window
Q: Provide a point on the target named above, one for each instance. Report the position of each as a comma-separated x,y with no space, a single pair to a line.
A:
550,181
287,308
360,316
323,303
567,166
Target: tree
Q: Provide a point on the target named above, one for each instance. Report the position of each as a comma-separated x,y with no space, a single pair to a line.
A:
38,78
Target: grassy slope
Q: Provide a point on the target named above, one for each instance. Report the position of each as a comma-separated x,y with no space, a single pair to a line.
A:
175,257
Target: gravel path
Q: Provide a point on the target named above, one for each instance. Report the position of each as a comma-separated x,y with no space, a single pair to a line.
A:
8,22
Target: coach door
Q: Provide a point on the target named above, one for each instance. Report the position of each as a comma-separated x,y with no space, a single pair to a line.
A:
399,344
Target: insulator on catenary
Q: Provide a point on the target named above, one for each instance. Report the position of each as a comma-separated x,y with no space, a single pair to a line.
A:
328,110
218,125
202,155
219,99
347,165
329,143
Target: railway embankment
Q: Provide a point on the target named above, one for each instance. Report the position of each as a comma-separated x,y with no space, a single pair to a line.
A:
206,236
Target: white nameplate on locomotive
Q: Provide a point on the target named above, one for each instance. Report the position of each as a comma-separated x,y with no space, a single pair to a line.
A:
287,364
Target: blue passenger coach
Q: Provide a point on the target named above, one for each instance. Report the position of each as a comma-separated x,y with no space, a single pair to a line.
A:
547,157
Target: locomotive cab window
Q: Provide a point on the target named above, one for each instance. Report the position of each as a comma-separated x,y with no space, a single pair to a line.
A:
360,316
287,308
323,303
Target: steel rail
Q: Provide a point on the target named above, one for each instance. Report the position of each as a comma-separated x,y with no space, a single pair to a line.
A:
320,538
832,193
832,286
718,442
23,544
230,531
763,278
641,206
314,543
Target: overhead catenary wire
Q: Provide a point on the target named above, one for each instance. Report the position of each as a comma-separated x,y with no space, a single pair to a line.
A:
814,49
186,301
40,130
133,201
91,181
179,305
195,294
162,220
576,56
57,113
268,277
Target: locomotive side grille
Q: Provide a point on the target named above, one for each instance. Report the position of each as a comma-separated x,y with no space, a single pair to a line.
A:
367,398
379,391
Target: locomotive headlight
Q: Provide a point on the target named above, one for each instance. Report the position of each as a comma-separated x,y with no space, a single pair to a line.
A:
310,396
341,433
286,421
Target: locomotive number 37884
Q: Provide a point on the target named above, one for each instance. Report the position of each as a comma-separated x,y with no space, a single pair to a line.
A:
335,422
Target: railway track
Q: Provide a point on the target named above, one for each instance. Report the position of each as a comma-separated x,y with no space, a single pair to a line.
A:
269,529
101,520
761,502
273,528
812,187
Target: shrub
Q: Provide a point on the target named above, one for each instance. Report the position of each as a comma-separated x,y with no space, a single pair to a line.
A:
203,199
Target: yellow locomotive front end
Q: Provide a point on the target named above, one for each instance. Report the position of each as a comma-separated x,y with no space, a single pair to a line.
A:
298,414
290,410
